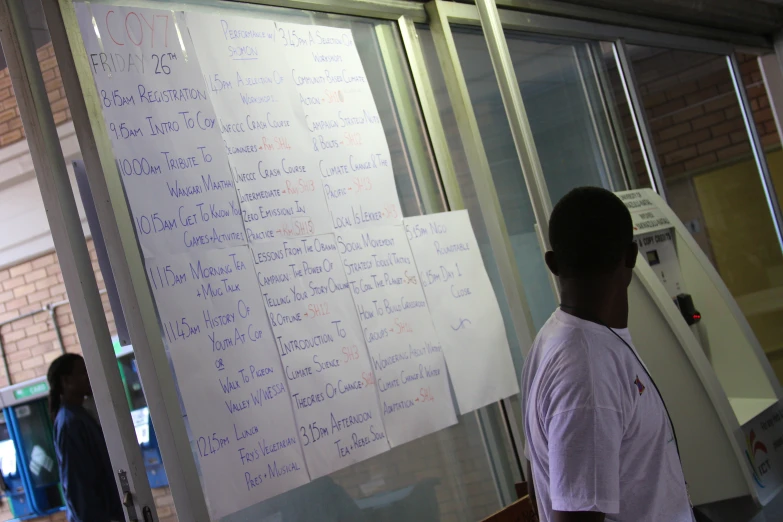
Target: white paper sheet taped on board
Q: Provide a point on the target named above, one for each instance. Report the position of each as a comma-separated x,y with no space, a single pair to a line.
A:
168,148
229,375
263,125
647,217
319,338
345,130
406,354
463,307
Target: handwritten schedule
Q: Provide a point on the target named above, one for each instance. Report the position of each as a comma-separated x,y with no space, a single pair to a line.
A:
406,354
291,298
319,338
262,123
464,308
231,379
344,128
163,128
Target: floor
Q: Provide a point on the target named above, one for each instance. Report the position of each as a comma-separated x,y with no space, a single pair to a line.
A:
773,512
743,510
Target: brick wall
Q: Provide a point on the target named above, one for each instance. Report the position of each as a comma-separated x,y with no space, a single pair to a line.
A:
693,111
31,343
11,129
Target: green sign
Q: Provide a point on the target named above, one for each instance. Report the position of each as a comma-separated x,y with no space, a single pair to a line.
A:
33,389
115,342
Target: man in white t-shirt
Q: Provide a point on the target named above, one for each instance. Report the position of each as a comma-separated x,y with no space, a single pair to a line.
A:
599,439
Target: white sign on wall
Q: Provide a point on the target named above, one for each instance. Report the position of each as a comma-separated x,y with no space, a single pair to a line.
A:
464,308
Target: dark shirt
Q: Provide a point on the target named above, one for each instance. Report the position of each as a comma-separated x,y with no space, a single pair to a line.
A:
85,469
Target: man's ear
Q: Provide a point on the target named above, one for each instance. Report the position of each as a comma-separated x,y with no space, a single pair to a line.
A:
551,262
630,255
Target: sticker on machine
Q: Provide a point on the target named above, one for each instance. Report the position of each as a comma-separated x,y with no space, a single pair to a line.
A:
646,214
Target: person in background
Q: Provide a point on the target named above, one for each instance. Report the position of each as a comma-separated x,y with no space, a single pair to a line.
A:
600,442
83,459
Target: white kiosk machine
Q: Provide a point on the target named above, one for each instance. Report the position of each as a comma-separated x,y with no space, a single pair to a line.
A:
721,392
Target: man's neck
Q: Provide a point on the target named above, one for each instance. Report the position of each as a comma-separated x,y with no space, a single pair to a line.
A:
596,302
72,401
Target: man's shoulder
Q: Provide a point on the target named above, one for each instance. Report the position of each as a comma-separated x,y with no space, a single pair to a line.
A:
63,415
554,334
579,357
559,349
556,337
67,418
580,344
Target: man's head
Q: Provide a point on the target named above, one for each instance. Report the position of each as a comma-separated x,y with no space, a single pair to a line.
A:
591,233
68,379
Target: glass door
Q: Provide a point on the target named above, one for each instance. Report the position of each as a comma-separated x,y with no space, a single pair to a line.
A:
577,140
462,473
569,115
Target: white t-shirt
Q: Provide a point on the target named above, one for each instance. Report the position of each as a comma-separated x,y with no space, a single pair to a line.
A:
597,433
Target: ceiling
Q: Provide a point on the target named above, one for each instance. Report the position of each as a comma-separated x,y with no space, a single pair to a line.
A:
759,17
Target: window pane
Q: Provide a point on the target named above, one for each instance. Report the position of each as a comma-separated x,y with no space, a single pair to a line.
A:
507,176
569,119
575,125
764,319
631,151
577,132
445,476
711,178
510,186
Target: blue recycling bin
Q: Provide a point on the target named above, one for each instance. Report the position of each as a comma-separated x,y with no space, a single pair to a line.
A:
30,427
13,490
